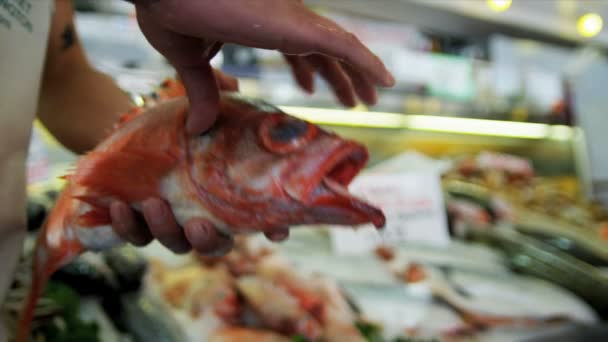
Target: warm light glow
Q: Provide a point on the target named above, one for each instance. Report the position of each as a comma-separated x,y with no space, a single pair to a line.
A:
430,123
347,118
499,5
139,100
483,127
589,25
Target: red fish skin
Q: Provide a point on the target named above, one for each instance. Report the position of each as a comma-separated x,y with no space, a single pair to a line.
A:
256,170
249,188
55,246
128,165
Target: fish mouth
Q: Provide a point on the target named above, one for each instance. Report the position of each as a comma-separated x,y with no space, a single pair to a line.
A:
327,191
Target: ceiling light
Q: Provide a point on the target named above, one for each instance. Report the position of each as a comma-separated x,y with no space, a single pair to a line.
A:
499,5
589,25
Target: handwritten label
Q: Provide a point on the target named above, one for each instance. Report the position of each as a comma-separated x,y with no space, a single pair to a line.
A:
414,209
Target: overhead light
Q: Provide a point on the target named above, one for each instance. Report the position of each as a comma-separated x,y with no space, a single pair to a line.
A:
429,123
499,5
347,117
478,126
589,25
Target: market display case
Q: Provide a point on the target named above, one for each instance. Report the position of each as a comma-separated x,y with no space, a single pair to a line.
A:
521,247
564,260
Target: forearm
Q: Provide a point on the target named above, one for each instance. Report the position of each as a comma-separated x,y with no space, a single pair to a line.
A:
80,107
77,104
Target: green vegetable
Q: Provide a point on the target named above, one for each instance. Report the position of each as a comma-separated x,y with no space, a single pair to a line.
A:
68,327
299,338
371,332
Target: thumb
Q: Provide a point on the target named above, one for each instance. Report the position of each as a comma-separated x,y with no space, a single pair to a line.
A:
203,94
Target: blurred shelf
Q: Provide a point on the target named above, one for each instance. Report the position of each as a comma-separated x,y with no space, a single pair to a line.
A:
536,20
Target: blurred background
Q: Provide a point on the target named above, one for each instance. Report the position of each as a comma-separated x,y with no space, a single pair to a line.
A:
505,100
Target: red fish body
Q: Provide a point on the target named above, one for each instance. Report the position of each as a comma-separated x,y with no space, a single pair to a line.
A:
255,170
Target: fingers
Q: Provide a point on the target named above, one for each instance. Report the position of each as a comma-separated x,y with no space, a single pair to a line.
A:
336,77
190,58
293,29
302,71
278,235
203,95
342,77
226,82
363,87
198,234
164,227
127,226
206,239
324,36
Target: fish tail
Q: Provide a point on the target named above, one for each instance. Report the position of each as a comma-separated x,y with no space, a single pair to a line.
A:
46,261
25,320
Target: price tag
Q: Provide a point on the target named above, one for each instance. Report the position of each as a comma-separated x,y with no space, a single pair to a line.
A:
444,75
414,209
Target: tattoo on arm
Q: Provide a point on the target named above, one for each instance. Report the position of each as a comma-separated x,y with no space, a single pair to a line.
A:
68,37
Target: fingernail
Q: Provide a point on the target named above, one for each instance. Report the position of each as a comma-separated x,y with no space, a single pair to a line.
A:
115,209
371,101
225,248
158,209
198,231
196,125
190,126
389,80
218,253
310,89
119,211
279,236
182,249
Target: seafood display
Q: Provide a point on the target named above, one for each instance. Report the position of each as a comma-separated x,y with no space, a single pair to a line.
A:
255,170
455,291
265,291
505,184
258,169
492,189
252,295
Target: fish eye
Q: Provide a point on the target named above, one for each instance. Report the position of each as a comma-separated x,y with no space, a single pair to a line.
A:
283,134
288,130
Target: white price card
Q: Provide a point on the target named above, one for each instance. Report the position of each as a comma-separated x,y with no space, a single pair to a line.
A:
412,203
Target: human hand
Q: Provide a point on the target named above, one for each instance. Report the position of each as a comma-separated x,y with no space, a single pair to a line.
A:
158,222
190,33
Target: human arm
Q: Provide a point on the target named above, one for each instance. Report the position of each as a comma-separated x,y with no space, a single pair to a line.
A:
189,33
79,106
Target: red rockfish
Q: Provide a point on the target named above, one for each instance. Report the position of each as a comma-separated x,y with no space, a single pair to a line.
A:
256,169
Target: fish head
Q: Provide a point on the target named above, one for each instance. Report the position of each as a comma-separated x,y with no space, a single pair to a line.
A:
271,169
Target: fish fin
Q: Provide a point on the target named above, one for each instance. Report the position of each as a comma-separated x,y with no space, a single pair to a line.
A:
94,217
130,165
97,216
49,255
127,175
92,200
128,116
